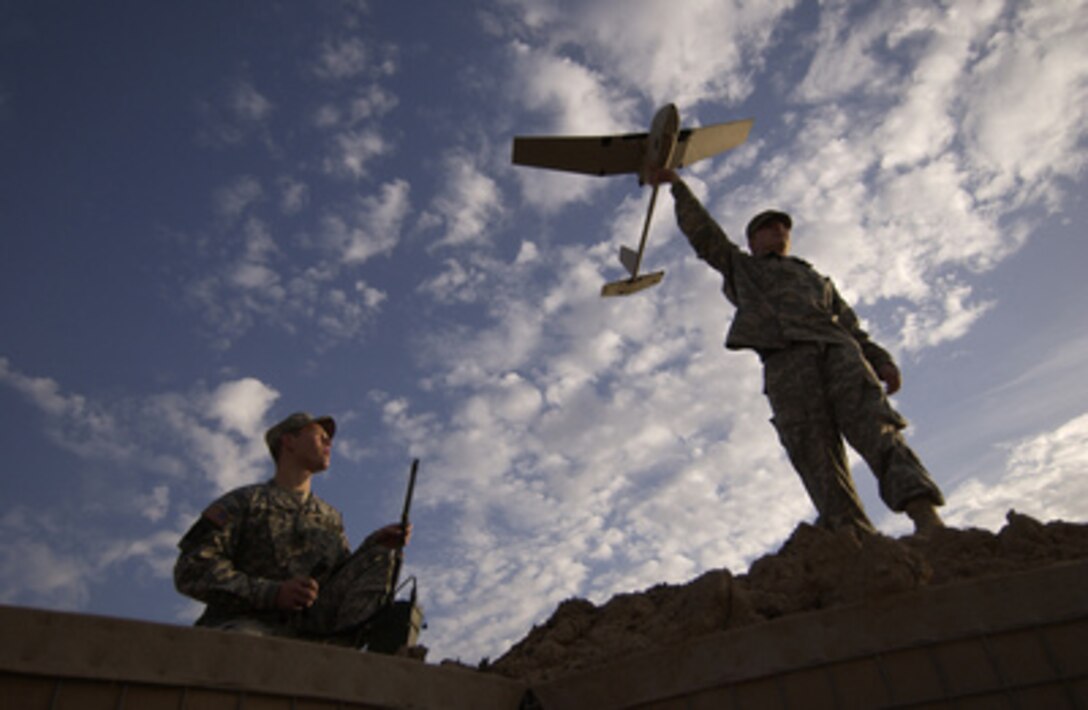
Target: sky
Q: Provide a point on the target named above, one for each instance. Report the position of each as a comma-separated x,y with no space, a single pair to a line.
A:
215,214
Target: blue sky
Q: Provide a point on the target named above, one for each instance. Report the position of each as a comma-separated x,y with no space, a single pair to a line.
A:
214,214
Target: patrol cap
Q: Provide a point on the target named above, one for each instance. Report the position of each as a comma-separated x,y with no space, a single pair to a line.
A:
766,217
293,423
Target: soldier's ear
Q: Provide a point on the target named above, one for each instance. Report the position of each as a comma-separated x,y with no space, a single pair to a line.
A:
288,440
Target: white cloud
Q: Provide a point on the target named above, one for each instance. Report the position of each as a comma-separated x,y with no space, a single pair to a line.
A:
941,319
49,562
371,297
457,282
699,54
294,195
343,313
1029,100
576,98
158,552
254,279
467,206
238,113
249,104
247,290
32,572
344,59
42,391
155,505
353,151
1043,478
372,102
527,254
327,116
243,285
207,428
373,226
73,422
221,429
689,56
241,405
845,60
232,200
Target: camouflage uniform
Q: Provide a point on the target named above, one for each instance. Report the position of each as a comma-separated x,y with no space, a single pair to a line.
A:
819,372
251,539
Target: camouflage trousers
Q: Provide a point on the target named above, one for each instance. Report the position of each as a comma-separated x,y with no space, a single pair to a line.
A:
348,595
821,393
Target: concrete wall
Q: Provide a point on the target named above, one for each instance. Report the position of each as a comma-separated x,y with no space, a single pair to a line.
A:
1014,642
72,661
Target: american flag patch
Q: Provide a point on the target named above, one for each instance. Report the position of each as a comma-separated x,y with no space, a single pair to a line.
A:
217,514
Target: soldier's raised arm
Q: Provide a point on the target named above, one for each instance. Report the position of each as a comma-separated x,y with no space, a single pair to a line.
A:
709,240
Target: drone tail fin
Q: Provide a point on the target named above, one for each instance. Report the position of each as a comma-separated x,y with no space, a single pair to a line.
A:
629,259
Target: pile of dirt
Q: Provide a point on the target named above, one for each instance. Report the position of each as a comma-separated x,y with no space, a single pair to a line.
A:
815,569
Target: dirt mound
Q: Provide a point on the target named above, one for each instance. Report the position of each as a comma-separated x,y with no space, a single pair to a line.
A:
815,569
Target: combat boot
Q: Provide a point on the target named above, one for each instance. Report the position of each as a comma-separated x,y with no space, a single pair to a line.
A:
925,517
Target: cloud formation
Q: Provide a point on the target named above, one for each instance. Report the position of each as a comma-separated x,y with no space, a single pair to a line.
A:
55,557
468,204
1043,478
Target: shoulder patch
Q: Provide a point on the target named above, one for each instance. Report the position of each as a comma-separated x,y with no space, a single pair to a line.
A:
217,514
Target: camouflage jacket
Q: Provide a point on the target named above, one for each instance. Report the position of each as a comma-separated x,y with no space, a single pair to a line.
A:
779,300
251,539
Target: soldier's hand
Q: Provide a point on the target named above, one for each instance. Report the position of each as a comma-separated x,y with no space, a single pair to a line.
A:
889,374
295,594
392,536
659,175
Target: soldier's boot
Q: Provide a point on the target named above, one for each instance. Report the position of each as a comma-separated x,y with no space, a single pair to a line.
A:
925,517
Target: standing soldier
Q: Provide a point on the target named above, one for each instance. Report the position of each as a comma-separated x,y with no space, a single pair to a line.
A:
820,368
272,558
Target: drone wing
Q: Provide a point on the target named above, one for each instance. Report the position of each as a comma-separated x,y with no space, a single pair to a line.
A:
592,155
694,144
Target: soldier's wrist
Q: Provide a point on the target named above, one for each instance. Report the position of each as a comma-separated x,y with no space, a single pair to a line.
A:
265,593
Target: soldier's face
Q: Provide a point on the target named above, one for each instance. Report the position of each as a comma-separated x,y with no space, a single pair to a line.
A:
771,238
311,446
